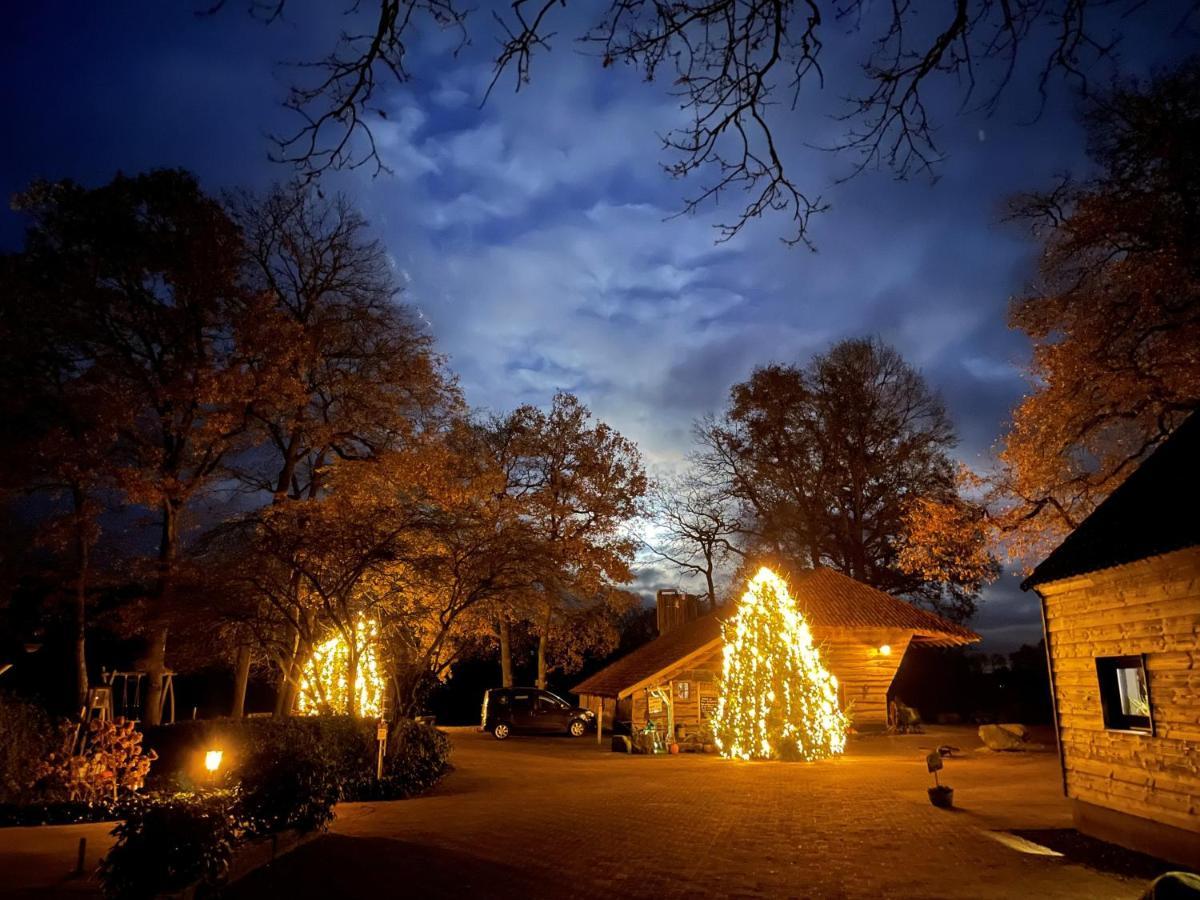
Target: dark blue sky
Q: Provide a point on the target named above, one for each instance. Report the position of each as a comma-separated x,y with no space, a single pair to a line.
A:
530,232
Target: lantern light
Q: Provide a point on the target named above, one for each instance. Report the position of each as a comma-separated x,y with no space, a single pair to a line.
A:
212,760
885,650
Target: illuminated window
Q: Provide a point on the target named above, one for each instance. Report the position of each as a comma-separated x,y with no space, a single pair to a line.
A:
683,689
1125,693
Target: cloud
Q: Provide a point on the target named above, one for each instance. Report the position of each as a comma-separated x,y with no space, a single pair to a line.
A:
535,234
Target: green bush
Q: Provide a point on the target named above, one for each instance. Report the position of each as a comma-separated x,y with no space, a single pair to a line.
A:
169,845
294,786
27,736
417,758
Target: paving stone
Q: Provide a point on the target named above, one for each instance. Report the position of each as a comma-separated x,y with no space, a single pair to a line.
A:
548,818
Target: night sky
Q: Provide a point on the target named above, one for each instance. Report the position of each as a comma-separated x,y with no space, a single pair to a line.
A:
530,233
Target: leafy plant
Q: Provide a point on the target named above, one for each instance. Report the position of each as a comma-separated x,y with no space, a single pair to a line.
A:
170,845
295,788
96,760
417,758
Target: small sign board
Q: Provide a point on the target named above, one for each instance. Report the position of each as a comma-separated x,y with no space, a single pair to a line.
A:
655,704
381,731
708,705
933,761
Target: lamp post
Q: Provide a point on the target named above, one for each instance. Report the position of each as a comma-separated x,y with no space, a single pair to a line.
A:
212,762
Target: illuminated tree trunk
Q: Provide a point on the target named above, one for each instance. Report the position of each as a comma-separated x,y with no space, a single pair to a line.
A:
506,675
285,670
352,675
299,658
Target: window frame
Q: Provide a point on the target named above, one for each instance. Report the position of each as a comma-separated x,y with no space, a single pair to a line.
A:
1108,678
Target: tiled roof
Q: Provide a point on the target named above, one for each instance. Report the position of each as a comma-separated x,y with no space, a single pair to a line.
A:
658,654
1154,511
828,600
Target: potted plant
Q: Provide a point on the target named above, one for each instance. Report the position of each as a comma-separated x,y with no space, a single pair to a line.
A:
940,795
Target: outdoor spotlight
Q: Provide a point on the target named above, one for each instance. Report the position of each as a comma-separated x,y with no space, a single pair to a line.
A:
212,760
885,650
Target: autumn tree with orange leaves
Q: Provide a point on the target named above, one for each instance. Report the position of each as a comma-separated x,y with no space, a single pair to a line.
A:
578,483
1114,315
348,372
841,463
141,282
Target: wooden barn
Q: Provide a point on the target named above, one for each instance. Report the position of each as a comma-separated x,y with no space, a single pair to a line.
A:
1121,610
863,633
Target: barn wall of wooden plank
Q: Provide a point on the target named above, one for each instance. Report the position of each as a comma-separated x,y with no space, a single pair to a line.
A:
1150,607
864,676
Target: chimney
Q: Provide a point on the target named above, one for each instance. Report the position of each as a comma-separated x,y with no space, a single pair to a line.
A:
676,608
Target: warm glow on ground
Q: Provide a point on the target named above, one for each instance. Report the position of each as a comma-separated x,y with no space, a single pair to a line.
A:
777,700
324,683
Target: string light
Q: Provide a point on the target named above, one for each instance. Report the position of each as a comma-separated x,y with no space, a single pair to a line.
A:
777,701
324,681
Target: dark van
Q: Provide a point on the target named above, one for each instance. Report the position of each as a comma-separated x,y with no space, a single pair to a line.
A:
509,710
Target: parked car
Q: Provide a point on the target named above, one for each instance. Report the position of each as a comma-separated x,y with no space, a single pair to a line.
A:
510,710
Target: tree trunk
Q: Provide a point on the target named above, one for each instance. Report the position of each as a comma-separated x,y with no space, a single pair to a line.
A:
79,635
708,580
543,638
506,675
155,663
241,678
299,659
285,671
352,679
156,655
291,687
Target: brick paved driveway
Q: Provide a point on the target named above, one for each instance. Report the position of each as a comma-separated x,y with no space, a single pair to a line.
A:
545,817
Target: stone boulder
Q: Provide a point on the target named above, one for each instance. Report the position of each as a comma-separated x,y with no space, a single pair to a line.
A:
1004,737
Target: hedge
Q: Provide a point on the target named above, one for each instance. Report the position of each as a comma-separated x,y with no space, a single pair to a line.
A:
276,775
416,754
171,844
27,735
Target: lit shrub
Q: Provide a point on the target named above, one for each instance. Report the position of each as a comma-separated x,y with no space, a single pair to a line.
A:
95,761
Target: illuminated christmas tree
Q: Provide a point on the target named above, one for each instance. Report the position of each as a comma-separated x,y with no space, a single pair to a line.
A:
777,700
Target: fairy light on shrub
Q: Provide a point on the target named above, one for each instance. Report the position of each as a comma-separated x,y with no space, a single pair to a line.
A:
777,701
324,682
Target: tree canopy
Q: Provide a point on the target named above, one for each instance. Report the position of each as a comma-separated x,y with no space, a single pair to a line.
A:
737,69
1114,315
827,465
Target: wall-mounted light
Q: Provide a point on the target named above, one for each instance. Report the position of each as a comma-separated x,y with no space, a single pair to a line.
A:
885,649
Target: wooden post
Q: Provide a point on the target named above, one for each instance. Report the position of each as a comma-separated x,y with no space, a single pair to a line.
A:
381,733
82,855
600,722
